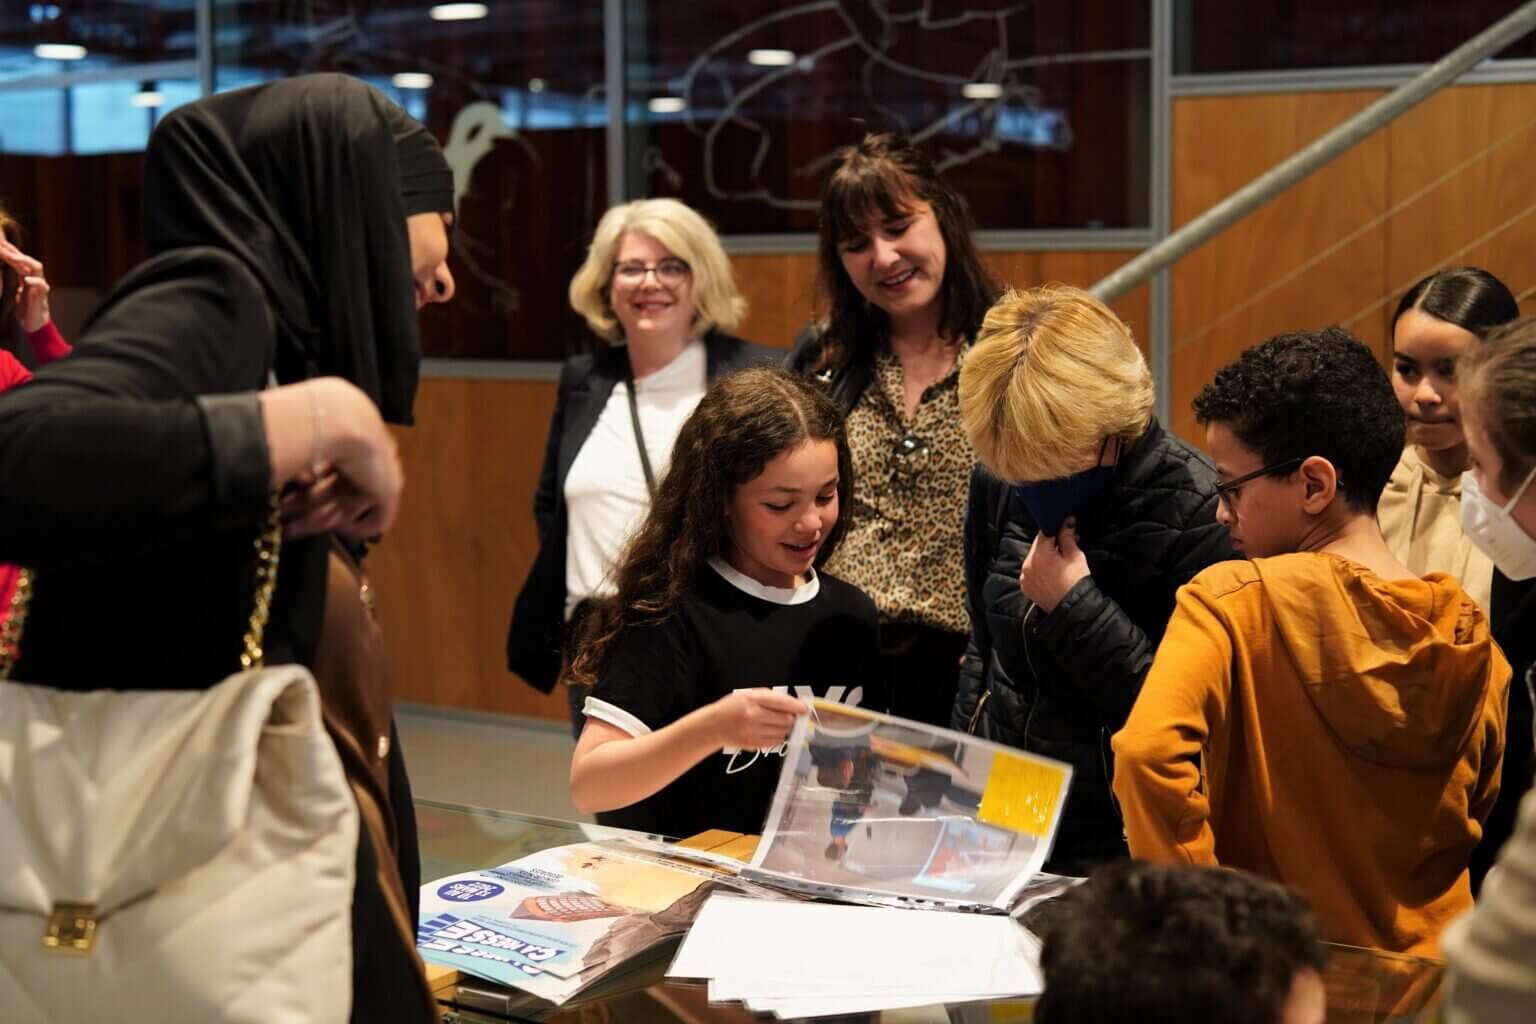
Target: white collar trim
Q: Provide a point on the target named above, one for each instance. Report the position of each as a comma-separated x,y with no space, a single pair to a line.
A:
774,595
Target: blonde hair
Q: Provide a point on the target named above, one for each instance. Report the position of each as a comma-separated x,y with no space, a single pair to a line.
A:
688,236
1053,374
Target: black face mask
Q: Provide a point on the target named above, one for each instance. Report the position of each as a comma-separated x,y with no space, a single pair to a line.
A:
1051,502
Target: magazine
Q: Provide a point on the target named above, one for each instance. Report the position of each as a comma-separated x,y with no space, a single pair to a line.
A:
876,809
561,920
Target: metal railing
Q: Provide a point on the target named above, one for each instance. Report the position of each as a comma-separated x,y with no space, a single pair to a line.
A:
1325,148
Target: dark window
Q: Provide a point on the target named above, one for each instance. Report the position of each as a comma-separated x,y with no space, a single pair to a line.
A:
1218,36
1038,111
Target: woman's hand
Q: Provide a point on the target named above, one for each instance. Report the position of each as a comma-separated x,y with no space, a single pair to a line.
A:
335,459
31,291
1053,567
754,719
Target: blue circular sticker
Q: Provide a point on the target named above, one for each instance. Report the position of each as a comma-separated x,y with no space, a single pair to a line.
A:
470,890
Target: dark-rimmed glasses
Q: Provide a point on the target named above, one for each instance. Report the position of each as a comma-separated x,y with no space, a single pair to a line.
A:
669,271
1229,491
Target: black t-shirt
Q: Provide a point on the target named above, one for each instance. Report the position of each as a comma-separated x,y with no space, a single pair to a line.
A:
726,635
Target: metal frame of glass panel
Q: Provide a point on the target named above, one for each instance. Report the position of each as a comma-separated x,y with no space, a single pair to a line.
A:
1165,88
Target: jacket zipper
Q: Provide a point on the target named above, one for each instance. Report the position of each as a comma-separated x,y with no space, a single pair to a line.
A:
1033,678
976,715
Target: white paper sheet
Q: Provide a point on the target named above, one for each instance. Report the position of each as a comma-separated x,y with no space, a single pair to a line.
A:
814,955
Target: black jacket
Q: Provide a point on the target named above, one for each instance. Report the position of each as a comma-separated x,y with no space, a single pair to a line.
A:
1512,618
845,384
1060,684
536,636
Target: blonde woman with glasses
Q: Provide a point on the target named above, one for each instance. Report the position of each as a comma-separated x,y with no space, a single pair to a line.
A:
658,288
1085,520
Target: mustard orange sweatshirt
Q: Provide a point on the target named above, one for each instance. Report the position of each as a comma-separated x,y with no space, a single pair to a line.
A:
1306,720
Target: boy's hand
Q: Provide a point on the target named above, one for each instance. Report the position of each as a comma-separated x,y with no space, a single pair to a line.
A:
1053,567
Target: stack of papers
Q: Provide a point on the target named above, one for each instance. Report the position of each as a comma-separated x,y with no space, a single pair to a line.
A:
796,959
557,922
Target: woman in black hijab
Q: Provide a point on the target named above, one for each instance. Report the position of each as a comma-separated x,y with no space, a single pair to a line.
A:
299,226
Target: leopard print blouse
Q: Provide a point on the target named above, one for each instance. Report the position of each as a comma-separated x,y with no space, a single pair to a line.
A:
905,542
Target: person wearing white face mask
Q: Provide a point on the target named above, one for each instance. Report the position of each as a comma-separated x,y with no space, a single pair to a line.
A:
1493,977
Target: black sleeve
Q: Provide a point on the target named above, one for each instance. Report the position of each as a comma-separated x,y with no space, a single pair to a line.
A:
806,350
981,505
121,450
1093,638
646,674
1201,544
545,497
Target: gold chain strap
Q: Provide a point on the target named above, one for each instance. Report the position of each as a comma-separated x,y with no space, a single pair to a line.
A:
268,546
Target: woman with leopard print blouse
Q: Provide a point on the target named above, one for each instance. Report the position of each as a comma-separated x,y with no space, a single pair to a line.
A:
906,291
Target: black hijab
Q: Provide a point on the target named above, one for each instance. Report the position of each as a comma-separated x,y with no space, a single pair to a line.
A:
308,181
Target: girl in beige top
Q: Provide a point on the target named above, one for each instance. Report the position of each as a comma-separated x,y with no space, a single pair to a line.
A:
1439,318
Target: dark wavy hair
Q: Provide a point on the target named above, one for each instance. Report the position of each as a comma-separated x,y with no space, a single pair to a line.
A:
1159,944
1469,297
744,421
1313,393
9,282
881,178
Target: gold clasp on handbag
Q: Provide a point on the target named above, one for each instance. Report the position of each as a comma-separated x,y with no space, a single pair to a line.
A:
71,929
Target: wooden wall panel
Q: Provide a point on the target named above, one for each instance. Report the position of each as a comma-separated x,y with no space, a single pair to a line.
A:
1446,184
1461,188
448,572
1308,258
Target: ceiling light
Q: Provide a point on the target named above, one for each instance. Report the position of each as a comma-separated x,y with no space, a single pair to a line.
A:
458,12
982,91
667,105
412,80
771,58
58,51
146,99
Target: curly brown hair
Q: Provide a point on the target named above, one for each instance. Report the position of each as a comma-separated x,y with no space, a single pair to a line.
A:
746,420
881,178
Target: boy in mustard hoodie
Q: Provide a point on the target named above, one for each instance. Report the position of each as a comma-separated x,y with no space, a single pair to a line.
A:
1317,714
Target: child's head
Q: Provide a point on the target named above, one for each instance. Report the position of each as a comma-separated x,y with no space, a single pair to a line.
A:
1053,374
759,474
1498,390
1439,320
1305,431
1159,944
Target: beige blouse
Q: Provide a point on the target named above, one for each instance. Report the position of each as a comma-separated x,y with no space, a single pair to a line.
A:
1420,516
906,532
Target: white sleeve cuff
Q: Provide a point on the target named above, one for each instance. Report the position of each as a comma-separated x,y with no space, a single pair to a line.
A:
615,716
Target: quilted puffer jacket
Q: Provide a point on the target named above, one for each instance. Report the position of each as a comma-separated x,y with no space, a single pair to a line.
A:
1060,684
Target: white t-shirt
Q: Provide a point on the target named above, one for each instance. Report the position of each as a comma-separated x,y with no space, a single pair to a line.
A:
606,497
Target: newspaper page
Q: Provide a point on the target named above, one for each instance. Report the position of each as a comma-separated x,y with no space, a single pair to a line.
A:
873,808
556,922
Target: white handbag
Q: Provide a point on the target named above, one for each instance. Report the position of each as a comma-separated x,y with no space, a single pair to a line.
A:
174,855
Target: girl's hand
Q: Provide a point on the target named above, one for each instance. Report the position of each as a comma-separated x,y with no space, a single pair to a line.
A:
755,719
32,291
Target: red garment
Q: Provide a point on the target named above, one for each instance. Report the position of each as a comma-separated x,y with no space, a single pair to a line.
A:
48,344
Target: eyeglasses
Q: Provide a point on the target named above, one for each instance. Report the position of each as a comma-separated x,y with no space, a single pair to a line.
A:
1229,492
668,271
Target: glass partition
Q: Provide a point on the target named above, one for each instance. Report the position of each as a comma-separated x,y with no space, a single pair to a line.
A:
1037,112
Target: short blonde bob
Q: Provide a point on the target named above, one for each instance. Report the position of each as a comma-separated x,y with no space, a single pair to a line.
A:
1053,374
716,300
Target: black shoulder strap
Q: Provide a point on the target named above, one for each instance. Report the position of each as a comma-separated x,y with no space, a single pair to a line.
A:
634,419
